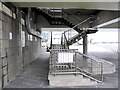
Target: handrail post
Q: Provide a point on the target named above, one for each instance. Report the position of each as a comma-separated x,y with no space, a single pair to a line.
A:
51,41
50,62
91,66
55,53
76,62
61,38
101,71
64,40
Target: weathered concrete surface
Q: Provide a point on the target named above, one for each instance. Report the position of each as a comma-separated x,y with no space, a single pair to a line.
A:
12,49
34,76
110,80
70,80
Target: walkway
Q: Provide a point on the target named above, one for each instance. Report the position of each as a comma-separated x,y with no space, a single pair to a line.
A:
35,76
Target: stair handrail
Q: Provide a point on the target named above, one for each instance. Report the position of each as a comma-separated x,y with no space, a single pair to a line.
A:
44,10
92,66
79,70
79,24
64,41
93,59
64,10
89,57
78,34
47,11
63,13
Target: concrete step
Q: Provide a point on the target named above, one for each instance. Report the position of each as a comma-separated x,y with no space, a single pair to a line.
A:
65,77
69,80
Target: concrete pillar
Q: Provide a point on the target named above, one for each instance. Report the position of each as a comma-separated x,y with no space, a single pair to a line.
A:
85,44
85,50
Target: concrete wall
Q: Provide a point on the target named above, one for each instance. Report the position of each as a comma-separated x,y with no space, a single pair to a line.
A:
0,54
13,53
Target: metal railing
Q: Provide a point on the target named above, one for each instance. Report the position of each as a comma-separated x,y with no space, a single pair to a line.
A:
64,41
81,23
89,65
73,34
70,17
71,61
62,60
53,12
63,13
73,16
57,46
76,22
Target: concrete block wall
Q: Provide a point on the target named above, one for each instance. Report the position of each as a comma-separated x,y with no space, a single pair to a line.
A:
31,49
13,55
0,54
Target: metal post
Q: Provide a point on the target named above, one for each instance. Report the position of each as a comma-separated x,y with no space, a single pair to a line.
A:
2,74
101,72
85,49
55,53
76,63
91,66
51,41
85,44
50,64
62,39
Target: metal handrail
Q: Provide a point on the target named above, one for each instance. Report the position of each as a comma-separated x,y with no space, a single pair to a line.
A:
44,10
92,65
72,15
95,58
89,57
79,24
63,13
77,73
84,72
53,16
76,26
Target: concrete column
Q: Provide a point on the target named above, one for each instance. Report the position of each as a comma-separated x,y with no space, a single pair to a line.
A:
85,44
85,50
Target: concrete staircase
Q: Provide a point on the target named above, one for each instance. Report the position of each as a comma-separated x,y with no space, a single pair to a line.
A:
70,80
63,19
83,70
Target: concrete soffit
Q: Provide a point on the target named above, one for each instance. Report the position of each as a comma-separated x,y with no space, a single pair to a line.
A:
87,4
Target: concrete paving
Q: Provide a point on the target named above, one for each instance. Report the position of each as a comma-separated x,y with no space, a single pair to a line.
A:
36,74
110,80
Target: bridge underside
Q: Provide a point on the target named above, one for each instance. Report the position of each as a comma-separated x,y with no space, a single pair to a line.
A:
20,41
